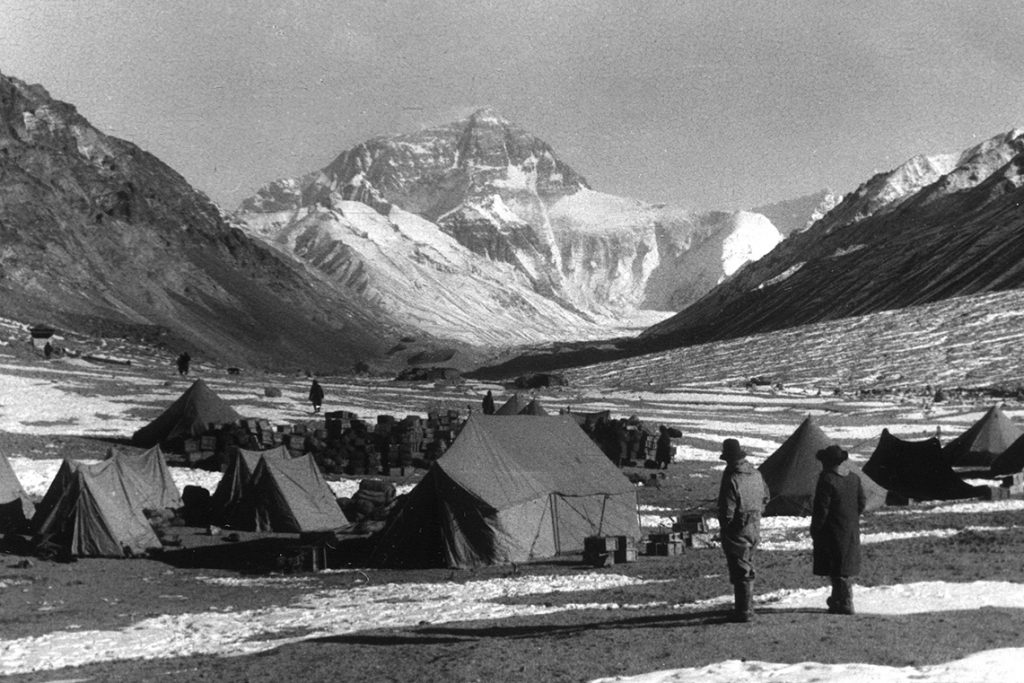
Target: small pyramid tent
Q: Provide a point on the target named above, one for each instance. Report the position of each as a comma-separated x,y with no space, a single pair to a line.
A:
510,489
915,470
154,479
985,441
235,482
1010,461
791,473
15,507
533,408
91,510
513,406
187,417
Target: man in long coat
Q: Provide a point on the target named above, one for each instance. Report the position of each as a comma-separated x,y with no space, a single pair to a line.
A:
316,396
741,500
835,527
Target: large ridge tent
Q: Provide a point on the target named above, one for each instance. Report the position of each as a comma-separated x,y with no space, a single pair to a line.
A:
189,416
510,489
94,510
157,486
791,473
915,470
271,491
15,507
985,441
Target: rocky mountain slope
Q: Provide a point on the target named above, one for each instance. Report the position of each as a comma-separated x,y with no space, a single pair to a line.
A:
477,231
936,227
799,213
99,236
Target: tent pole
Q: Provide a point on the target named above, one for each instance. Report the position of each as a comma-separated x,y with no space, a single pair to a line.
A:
553,501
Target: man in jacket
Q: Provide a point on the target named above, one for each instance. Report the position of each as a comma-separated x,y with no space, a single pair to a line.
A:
835,527
741,499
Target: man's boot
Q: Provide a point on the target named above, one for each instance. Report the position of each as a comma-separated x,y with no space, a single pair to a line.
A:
744,601
835,599
846,603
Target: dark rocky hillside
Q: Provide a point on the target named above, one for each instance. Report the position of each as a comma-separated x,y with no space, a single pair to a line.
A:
935,228
100,236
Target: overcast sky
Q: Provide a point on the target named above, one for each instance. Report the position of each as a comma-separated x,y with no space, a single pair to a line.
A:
704,104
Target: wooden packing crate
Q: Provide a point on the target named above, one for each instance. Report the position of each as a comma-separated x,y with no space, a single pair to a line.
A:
665,549
1013,480
995,493
697,523
701,541
207,443
673,537
600,544
625,555
191,445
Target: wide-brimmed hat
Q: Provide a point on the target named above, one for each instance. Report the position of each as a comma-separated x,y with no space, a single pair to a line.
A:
732,451
831,455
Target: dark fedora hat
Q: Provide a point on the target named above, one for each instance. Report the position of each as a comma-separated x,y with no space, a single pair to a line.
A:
732,451
831,455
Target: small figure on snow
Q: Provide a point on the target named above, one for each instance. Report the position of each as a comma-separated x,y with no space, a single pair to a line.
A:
316,396
183,362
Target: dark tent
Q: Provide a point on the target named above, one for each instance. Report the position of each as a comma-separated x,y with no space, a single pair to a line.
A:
189,416
15,507
94,510
513,406
516,406
915,469
154,478
510,489
533,408
985,441
235,481
1010,461
270,491
791,473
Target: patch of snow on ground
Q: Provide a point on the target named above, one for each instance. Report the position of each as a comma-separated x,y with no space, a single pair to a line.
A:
314,615
990,666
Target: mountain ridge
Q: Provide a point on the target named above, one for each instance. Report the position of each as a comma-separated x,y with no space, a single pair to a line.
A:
505,200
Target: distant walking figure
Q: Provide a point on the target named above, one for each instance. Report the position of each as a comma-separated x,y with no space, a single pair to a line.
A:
835,526
489,403
48,350
741,500
316,396
664,450
183,361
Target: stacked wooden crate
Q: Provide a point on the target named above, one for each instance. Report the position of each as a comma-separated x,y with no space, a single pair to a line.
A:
604,551
210,448
666,545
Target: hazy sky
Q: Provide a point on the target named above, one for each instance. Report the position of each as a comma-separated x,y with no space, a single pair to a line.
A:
705,104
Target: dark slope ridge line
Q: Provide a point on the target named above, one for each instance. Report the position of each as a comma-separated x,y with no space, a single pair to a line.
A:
967,243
